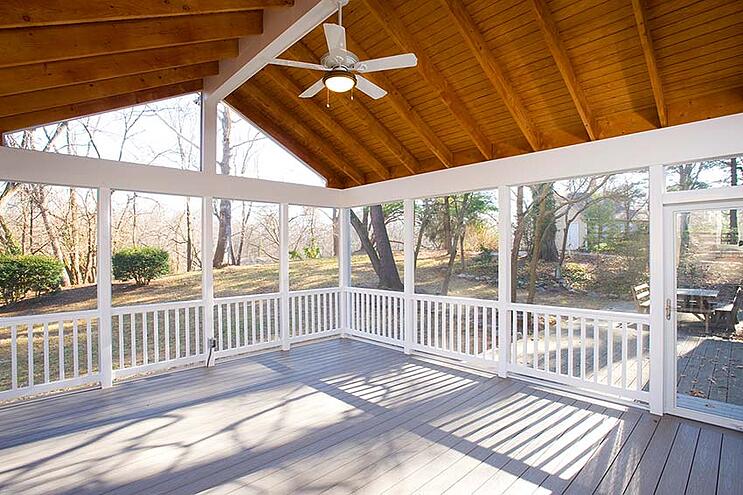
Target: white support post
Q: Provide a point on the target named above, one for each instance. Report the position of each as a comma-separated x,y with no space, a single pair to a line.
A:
656,189
207,274
344,282
409,273
284,274
105,358
505,236
208,169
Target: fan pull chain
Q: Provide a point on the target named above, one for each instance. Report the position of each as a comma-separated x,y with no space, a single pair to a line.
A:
327,98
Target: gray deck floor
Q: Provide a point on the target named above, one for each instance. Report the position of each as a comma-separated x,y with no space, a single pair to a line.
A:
345,416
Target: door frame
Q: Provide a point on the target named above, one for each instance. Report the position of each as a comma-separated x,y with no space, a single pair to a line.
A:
669,292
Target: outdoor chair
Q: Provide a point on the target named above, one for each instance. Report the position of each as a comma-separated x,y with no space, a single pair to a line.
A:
727,315
642,297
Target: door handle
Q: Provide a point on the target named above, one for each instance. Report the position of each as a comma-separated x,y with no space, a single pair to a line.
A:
668,309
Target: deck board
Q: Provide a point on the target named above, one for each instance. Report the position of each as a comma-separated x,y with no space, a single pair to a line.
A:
344,416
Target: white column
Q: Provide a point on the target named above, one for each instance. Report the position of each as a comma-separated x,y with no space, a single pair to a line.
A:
207,272
409,273
284,274
105,357
504,278
657,187
344,255
208,168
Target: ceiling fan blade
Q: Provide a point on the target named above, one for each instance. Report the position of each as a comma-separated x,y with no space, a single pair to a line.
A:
335,36
386,63
297,64
369,88
312,90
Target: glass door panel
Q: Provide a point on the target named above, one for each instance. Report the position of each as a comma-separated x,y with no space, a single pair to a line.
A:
707,301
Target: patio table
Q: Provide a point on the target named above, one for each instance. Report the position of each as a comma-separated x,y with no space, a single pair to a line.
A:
698,302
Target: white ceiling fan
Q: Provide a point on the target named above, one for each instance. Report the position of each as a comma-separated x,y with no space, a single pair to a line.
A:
343,68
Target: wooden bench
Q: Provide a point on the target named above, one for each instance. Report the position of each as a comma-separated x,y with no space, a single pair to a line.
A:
727,315
642,297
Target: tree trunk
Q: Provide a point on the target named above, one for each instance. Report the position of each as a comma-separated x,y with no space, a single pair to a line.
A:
39,197
548,251
458,234
225,205
447,244
518,234
734,236
189,239
389,277
536,248
380,254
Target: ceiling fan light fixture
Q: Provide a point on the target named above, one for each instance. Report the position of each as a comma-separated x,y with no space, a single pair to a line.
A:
339,81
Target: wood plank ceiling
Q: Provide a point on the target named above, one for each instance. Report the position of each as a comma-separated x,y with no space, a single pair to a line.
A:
61,59
496,79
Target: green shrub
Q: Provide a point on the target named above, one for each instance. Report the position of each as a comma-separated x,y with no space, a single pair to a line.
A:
22,274
141,264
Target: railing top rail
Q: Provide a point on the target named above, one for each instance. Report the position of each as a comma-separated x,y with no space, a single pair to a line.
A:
324,290
456,299
49,317
589,313
247,297
383,292
138,308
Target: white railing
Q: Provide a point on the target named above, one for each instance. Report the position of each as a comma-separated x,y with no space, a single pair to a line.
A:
151,337
456,327
48,352
597,350
377,315
246,323
314,313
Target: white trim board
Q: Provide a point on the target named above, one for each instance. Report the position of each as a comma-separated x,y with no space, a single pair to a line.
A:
66,170
695,141
688,142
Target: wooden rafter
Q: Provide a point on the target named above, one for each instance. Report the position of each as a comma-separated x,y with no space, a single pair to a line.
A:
295,146
79,93
35,77
390,21
91,107
646,40
34,45
314,143
403,108
551,35
289,89
490,66
375,128
22,13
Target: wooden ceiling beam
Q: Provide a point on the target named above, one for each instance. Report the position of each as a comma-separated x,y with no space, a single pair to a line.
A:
24,14
80,93
390,21
48,75
551,35
315,143
45,44
298,148
290,90
403,108
490,66
67,112
646,41
373,126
